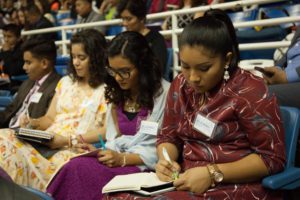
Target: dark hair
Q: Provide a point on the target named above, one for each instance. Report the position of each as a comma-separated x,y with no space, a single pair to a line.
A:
134,47
41,49
137,8
194,3
33,10
45,6
15,29
215,32
94,45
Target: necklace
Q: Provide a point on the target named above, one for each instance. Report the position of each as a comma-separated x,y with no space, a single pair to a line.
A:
131,107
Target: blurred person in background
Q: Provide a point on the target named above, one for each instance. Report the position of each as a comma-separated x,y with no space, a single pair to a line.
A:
86,14
133,15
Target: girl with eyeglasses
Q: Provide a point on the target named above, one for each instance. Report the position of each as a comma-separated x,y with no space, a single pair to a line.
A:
137,94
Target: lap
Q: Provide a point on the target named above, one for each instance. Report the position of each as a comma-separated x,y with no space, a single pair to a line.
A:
228,191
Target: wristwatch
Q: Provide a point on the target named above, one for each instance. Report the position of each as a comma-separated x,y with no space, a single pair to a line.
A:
216,175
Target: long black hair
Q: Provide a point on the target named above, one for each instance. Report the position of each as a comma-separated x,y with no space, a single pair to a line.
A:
134,47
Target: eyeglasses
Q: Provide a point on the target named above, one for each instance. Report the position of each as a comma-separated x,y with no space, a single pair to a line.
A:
123,73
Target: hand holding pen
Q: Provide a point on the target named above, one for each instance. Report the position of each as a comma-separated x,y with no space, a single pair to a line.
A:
166,169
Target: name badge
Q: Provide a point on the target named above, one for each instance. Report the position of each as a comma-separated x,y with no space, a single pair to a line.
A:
148,127
36,97
204,125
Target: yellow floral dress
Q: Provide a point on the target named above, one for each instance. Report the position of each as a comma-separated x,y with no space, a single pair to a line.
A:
78,110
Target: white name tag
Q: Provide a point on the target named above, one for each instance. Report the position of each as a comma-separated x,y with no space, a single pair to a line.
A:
148,127
204,125
36,97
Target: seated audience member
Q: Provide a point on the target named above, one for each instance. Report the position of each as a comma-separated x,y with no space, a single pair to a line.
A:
285,81
108,9
39,59
133,14
185,19
45,9
136,92
221,128
77,108
11,54
86,14
36,20
8,11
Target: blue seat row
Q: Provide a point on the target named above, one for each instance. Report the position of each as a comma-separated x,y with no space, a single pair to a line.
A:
289,179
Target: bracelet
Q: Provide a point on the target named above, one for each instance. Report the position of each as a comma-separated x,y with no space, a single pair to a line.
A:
81,139
124,160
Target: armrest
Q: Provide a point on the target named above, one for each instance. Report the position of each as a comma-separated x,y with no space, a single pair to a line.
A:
288,179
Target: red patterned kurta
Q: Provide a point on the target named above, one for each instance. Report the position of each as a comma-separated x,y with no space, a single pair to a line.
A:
248,121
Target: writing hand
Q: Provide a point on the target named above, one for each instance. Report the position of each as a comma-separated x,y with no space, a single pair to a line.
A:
110,158
196,180
165,170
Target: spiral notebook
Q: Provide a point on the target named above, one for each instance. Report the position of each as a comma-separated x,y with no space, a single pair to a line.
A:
146,183
33,135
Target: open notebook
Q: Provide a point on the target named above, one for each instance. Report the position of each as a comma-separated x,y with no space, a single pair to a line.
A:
146,183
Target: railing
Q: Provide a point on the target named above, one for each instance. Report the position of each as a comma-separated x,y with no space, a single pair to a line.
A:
175,31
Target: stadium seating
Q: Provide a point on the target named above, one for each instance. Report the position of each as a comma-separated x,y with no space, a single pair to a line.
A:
61,65
40,194
168,70
5,101
243,16
290,178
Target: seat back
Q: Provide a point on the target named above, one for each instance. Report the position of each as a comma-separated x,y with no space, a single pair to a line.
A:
4,92
243,16
291,122
168,69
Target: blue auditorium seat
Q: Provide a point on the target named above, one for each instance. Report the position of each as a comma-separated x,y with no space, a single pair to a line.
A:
274,12
168,75
114,30
288,179
61,65
5,92
243,16
267,34
62,60
40,194
19,77
61,69
5,101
